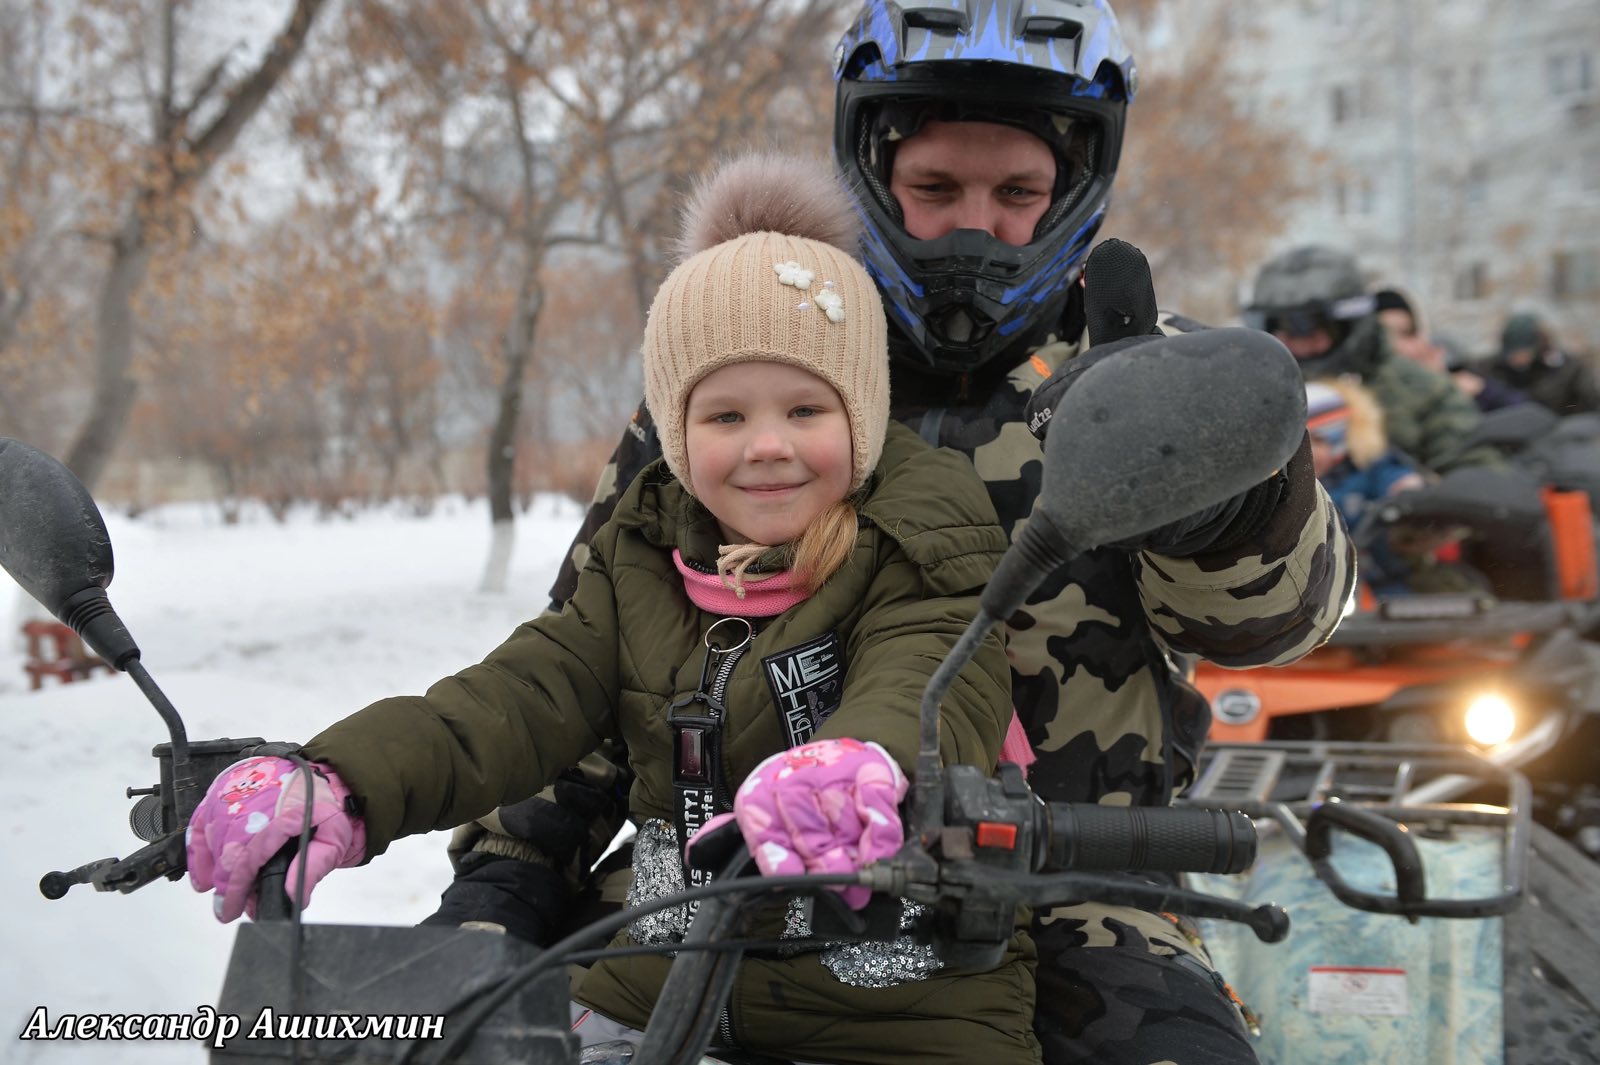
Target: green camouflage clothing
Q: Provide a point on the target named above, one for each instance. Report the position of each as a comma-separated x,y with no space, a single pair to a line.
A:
1424,414
1097,671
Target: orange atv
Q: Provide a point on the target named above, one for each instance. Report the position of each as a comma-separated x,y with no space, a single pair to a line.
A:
1511,669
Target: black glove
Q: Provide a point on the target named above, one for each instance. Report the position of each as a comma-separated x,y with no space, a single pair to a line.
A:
1119,304
531,902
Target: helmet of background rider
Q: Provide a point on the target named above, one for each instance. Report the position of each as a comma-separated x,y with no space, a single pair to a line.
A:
1056,68
1314,288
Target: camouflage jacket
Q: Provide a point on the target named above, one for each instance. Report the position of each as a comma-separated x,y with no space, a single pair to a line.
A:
1424,414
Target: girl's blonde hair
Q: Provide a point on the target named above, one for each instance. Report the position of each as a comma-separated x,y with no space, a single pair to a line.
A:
825,546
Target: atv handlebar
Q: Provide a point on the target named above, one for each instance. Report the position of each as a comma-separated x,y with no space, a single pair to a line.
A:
1087,836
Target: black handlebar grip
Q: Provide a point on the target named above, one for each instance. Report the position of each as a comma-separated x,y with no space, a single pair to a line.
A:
272,900
1087,836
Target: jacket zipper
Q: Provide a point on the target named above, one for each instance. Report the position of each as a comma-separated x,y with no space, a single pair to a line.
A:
719,682
719,688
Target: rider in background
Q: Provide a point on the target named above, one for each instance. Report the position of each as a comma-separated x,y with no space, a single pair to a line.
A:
982,158
1530,360
1438,352
1313,299
790,526
1359,469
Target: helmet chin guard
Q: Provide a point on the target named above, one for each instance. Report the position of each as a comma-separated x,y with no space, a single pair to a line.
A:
1055,68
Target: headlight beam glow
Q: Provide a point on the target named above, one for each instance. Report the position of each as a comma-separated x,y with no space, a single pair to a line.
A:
1491,719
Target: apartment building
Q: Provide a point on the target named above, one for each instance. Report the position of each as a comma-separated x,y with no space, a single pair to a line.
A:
1455,147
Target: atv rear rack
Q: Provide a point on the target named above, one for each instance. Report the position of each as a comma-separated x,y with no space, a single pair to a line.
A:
1312,788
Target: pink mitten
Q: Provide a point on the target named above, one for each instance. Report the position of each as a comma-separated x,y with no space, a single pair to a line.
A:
826,807
250,811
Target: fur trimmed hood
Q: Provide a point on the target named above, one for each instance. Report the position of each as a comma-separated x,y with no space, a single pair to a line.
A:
1365,438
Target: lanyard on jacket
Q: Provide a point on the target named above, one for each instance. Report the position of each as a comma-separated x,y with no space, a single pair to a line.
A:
699,785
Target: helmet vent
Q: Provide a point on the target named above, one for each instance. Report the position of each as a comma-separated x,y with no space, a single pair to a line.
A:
1058,28
936,18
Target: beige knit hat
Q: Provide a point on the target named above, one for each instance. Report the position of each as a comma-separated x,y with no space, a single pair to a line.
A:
767,278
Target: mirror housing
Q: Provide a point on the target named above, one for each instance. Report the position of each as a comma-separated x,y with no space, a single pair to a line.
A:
1148,436
53,542
1167,428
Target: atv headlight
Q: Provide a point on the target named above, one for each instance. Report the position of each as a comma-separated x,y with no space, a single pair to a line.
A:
1491,719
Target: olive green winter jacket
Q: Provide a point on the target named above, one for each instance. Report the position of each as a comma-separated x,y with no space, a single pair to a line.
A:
629,642
1424,414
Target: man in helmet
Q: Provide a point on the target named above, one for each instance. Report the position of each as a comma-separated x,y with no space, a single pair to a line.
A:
982,140
1313,299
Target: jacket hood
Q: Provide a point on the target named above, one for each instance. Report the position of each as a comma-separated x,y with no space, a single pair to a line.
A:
1366,440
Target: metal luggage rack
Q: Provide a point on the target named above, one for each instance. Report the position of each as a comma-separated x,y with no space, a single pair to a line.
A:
1378,792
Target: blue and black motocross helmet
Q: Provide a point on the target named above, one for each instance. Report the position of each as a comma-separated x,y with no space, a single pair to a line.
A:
1056,68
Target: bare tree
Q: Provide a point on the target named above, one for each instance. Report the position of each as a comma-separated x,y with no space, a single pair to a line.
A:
533,126
189,129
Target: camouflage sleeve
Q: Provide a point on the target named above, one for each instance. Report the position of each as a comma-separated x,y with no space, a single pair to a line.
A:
1266,601
638,448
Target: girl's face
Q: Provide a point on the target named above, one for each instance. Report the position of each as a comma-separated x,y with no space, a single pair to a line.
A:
769,449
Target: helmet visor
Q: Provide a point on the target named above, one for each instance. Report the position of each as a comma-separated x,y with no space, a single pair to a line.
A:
1310,318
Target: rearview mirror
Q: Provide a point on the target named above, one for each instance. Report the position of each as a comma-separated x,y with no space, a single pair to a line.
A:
53,542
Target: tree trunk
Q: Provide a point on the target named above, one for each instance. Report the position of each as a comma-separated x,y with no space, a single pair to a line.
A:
502,457
114,388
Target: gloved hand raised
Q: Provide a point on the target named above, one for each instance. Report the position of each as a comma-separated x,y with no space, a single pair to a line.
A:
826,807
251,810
1120,313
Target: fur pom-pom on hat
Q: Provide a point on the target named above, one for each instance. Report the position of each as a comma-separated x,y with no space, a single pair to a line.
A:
769,274
768,192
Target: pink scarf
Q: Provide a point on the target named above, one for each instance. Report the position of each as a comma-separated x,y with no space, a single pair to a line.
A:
762,598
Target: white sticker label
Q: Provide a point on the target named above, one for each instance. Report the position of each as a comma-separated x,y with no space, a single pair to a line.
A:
1367,992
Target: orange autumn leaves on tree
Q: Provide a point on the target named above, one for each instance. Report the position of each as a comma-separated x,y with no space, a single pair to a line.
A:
138,116
1204,186
304,370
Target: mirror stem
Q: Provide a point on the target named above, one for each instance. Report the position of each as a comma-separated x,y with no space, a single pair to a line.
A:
927,798
183,780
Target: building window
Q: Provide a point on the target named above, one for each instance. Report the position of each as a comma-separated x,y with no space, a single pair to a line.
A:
1347,12
1355,197
1471,282
1589,170
1444,88
1477,183
1570,73
1575,274
1350,102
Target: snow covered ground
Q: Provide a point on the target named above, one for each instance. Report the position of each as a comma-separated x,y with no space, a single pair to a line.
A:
251,629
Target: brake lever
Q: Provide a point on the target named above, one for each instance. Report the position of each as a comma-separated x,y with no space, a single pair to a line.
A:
165,857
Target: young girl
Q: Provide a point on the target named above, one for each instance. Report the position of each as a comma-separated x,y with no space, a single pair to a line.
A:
758,619
1351,456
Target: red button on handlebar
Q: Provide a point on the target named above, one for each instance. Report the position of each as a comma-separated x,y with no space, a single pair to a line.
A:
997,834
